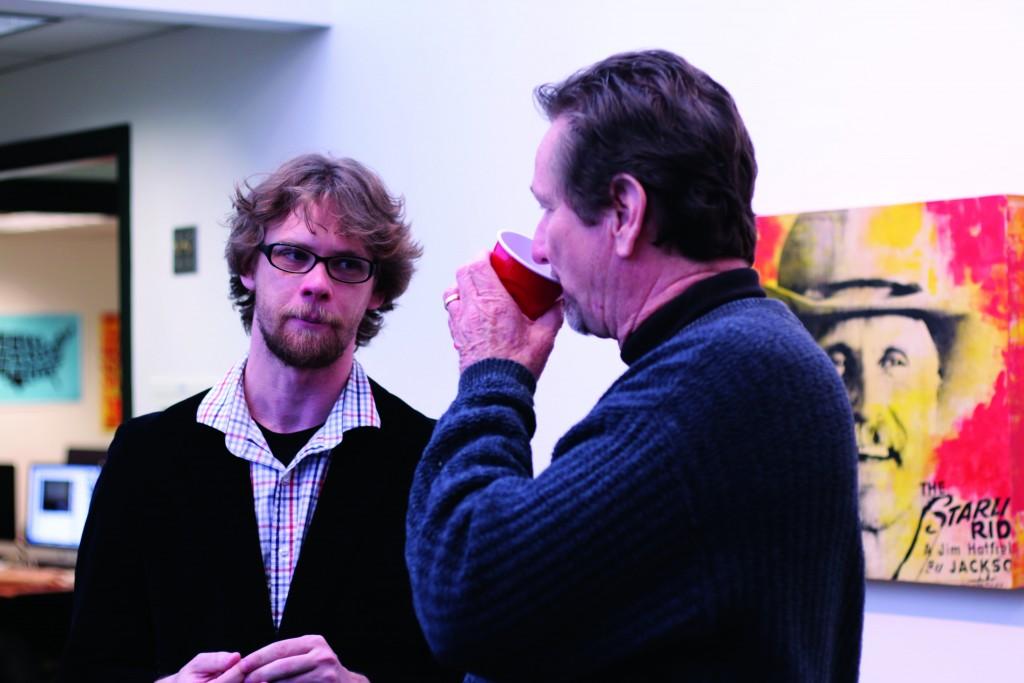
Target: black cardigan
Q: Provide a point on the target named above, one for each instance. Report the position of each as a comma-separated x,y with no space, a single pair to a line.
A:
170,562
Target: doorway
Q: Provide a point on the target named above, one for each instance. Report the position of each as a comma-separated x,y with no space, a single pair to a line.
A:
65,348
76,175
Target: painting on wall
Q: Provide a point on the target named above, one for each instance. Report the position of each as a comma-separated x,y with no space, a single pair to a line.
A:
110,371
40,358
919,306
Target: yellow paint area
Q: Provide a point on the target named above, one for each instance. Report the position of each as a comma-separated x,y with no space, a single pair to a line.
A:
896,226
971,370
898,240
1017,330
1018,554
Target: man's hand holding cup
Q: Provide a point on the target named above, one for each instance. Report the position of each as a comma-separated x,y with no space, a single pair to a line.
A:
505,305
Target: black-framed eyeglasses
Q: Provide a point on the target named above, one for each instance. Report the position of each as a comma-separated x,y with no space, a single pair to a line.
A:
292,259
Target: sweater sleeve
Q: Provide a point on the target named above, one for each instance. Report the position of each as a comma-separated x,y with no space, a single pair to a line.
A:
515,576
111,634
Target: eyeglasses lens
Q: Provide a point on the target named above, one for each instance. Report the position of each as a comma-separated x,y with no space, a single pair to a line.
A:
348,269
342,268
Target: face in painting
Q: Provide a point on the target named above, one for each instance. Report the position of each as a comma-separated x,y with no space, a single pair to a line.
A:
308,320
890,366
574,250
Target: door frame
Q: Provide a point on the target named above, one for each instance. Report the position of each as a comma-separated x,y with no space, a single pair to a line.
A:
111,141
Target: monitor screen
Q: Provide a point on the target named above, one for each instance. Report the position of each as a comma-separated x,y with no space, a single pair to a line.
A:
58,502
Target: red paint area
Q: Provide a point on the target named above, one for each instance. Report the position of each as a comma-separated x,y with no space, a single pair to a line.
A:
974,231
769,246
976,461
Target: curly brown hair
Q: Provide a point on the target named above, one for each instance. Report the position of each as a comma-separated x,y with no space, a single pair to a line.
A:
359,206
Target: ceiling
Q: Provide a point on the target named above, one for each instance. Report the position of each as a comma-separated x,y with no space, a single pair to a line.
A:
75,196
74,27
69,36
20,225
103,169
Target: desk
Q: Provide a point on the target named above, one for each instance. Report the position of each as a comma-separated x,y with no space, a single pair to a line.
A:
35,613
15,581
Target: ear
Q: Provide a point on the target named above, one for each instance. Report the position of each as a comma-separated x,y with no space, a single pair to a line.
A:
376,301
628,210
247,280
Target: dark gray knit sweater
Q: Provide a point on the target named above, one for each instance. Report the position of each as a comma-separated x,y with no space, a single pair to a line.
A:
700,524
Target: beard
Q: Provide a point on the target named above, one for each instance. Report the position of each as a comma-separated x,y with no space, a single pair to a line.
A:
887,493
573,315
305,349
879,510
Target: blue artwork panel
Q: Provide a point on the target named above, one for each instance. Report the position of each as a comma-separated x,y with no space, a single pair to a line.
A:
40,358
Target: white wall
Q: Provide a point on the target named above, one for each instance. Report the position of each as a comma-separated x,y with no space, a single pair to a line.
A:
882,101
57,272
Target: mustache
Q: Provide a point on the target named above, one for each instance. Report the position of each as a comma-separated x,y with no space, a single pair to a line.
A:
880,453
313,314
881,436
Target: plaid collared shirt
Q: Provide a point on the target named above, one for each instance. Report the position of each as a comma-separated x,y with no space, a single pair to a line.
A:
285,496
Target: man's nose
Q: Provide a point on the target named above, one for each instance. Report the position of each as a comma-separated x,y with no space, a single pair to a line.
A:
870,387
539,250
317,283
874,432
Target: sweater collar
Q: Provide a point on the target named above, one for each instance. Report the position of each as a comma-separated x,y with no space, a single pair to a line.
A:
698,299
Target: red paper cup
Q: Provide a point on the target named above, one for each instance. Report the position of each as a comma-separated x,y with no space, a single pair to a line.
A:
530,283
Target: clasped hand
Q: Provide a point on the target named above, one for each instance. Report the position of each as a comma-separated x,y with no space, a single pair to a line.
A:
306,659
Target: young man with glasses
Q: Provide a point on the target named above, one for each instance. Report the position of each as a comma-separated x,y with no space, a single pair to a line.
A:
255,531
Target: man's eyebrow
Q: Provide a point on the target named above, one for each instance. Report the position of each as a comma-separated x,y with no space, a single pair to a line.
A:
840,346
341,252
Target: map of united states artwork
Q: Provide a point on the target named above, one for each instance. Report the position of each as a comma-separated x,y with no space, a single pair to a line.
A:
40,358
919,306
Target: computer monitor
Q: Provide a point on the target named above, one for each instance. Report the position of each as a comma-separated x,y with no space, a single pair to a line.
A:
58,502
86,456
